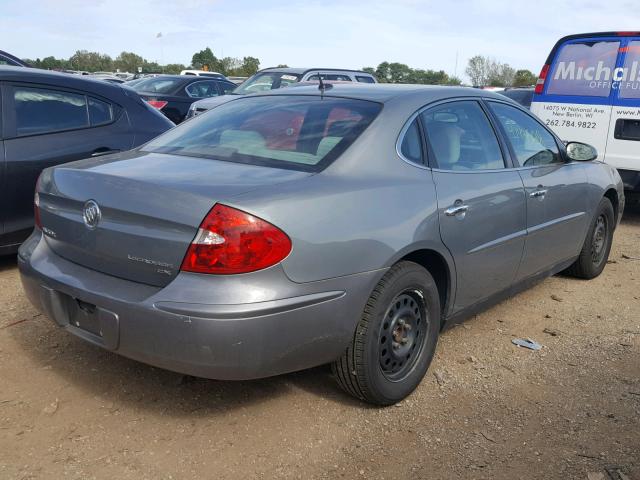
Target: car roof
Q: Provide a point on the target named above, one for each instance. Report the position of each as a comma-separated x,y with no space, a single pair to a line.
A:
79,82
577,36
302,71
384,93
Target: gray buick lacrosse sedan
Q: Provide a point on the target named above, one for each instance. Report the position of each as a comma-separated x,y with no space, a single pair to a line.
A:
345,225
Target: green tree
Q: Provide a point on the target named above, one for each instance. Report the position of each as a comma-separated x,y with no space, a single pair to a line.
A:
524,78
174,68
129,62
91,61
250,65
206,59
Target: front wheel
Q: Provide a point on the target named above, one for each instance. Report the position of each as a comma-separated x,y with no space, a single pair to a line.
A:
395,339
595,250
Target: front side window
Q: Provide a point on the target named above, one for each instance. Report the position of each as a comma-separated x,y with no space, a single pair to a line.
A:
584,68
531,142
300,132
461,137
411,147
40,110
228,87
202,89
630,83
262,82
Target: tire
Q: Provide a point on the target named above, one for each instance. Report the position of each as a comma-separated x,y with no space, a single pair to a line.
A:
395,339
597,245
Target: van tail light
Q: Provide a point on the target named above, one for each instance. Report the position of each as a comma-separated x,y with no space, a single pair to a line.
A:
159,104
541,79
36,206
231,241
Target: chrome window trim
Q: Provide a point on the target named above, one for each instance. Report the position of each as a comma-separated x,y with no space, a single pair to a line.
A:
200,81
436,103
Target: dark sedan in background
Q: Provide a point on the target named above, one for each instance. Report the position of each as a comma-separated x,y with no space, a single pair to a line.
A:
523,95
8,59
174,94
50,118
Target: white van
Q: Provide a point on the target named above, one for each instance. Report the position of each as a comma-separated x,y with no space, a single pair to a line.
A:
589,90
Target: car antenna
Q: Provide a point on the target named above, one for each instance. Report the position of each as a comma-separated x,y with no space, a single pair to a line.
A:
321,85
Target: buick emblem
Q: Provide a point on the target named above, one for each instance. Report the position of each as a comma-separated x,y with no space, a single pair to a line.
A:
91,214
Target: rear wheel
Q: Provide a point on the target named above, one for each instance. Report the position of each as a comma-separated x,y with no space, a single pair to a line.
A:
595,251
395,339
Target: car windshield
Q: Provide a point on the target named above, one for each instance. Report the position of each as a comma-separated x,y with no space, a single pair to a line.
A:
288,131
157,85
266,81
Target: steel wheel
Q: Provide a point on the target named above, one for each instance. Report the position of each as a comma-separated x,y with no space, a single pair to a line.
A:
402,335
599,239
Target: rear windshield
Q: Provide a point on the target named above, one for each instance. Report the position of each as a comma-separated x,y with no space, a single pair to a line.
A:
157,85
262,82
298,132
584,68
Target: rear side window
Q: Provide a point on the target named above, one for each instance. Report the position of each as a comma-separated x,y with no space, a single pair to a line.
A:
228,87
411,147
630,84
41,110
202,89
100,113
532,143
300,132
331,76
461,137
584,68
364,79
158,85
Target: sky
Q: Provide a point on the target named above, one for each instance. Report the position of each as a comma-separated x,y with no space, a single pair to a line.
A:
426,34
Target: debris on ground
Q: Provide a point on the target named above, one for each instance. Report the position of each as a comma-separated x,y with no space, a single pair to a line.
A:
551,331
526,343
556,297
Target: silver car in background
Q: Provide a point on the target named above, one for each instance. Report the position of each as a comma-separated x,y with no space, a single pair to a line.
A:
308,226
275,78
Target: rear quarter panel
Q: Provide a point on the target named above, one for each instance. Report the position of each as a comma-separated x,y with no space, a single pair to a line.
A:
364,212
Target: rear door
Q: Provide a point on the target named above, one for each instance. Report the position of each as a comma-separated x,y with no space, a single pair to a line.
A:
578,93
47,126
481,202
555,191
623,144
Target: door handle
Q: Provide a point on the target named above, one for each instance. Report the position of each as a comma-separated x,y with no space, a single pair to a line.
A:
456,210
538,194
103,151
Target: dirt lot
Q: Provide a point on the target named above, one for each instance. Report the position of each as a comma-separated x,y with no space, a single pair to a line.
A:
486,409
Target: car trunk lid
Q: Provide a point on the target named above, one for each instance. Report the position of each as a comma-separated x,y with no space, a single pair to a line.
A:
150,207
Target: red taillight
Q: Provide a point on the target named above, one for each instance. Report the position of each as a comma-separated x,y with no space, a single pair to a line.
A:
36,206
159,104
541,79
232,241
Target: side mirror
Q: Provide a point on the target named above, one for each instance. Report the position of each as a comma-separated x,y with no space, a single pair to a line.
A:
581,152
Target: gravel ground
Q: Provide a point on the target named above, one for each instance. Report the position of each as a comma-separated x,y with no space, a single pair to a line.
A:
486,409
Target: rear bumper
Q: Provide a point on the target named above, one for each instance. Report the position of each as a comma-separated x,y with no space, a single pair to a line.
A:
228,341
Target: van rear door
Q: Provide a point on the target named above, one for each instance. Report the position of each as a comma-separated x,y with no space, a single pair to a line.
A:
577,96
623,144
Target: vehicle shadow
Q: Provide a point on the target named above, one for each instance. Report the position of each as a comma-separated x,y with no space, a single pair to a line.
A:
132,384
8,262
631,215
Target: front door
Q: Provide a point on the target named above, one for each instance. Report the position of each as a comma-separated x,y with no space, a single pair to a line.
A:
481,202
556,200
